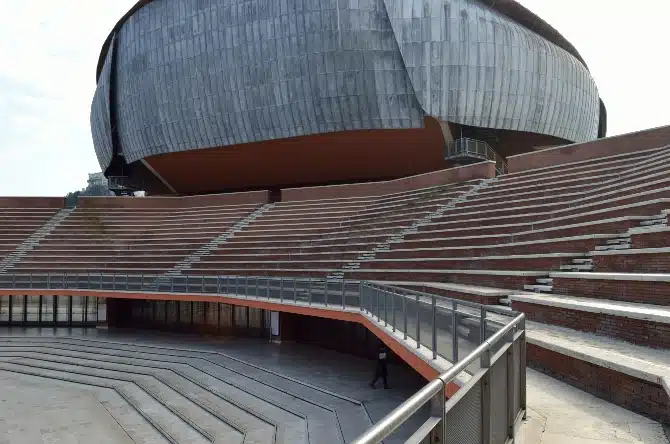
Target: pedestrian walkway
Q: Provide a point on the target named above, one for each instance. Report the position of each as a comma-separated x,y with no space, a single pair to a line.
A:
559,414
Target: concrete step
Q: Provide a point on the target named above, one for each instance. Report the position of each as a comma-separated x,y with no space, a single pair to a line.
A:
620,240
576,267
153,410
538,288
544,281
612,247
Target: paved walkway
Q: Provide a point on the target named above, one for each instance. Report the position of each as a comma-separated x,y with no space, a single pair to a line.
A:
559,414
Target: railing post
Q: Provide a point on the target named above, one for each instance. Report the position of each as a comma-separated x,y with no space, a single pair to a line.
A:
511,414
393,311
454,332
202,284
257,287
246,286
361,298
482,324
404,316
434,306
438,410
325,292
30,280
218,284
281,289
309,291
295,290
344,291
418,322
385,293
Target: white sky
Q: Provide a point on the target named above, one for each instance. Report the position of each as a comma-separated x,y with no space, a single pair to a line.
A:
49,51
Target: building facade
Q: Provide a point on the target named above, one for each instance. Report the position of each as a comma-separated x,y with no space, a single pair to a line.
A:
287,92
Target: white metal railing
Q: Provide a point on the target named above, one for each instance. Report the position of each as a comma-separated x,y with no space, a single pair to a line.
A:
486,342
477,149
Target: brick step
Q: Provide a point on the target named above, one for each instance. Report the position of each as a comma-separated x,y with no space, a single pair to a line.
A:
536,214
102,241
551,261
575,244
36,260
636,323
628,375
648,288
216,256
652,237
647,260
504,279
579,169
271,264
487,226
652,163
472,293
538,288
611,226
276,272
142,268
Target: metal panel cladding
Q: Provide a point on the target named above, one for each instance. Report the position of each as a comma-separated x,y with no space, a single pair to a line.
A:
101,128
195,74
472,65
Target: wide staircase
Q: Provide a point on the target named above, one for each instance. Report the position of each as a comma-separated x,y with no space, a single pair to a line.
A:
327,238
137,240
181,393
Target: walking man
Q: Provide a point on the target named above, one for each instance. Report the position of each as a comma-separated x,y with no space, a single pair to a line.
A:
381,370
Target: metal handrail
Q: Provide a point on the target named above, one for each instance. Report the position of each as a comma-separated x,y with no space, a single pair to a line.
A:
441,318
387,425
467,147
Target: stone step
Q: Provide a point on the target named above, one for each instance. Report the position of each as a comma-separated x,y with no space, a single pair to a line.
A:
577,267
544,281
154,411
620,240
613,247
538,288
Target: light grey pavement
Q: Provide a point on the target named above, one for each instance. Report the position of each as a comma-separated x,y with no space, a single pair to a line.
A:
559,414
181,383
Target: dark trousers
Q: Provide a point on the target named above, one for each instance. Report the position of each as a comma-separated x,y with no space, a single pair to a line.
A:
380,373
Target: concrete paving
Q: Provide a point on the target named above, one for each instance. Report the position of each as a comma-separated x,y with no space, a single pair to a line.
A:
186,387
559,413
310,394
36,411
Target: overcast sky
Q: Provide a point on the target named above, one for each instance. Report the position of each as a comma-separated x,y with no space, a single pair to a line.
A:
49,51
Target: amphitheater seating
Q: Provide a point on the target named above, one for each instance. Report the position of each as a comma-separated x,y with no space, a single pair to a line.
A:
580,247
318,238
18,224
118,240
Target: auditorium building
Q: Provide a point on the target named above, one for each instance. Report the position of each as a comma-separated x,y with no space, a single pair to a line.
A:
199,97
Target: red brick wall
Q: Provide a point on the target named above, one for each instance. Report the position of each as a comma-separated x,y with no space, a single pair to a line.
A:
251,197
651,292
635,394
648,333
482,170
610,146
650,239
32,202
633,263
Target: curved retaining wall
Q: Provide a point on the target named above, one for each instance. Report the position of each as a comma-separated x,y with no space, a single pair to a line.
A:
483,170
32,202
625,143
251,197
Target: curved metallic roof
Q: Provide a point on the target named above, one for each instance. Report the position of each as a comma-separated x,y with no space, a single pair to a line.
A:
510,8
